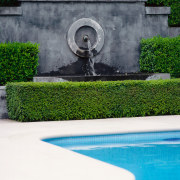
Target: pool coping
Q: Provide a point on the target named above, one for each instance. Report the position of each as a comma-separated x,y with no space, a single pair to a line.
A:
24,156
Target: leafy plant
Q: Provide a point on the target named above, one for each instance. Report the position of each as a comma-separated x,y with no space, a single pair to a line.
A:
91,100
160,55
18,62
9,3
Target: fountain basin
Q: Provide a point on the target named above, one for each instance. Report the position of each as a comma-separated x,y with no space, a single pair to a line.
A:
116,77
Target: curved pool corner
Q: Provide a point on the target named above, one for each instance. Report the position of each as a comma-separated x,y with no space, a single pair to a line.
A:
146,155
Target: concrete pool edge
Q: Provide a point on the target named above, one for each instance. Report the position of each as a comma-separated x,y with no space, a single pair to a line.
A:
27,157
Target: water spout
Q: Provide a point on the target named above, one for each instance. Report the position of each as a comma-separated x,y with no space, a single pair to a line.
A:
89,69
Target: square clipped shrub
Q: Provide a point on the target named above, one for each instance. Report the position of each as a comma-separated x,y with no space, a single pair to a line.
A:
160,55
92,100
18,61
174,17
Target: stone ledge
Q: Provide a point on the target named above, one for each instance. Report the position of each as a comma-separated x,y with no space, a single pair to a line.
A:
95,1
158,10
118,77
2,87
10,11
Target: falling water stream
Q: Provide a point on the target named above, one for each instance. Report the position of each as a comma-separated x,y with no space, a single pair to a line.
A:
90,60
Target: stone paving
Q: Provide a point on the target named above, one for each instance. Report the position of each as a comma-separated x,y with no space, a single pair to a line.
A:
23,156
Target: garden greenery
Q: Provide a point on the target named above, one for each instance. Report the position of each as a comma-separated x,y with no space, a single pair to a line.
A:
160,55
174,17
91,100
9,3
18,62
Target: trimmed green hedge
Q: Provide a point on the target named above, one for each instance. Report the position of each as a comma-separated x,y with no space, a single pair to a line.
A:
18,62
160,55
91,100
174,17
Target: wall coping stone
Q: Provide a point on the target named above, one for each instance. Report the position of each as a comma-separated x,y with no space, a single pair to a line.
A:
11,11
96,1
2,87
158,10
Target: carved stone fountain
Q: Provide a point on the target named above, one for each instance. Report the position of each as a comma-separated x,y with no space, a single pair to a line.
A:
86,39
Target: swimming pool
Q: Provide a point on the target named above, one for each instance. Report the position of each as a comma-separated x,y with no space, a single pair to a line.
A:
149,156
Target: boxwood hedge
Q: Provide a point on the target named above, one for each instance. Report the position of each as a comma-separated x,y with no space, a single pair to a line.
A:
18,61
160,55
91,100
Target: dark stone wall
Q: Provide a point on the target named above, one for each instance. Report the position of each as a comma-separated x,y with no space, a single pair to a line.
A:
47,23
3,107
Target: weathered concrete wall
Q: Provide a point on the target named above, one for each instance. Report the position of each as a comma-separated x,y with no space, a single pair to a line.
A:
124,23
156,22
10,11
3,108
174,31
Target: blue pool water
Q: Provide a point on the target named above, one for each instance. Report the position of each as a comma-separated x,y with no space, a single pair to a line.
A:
149,156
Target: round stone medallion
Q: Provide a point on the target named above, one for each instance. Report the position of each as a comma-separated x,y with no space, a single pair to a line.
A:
81,28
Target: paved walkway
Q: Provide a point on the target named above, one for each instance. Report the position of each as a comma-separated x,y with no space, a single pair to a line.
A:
23,156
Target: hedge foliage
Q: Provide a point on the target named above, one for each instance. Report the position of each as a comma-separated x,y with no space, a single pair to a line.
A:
174,17
18,62
91,100
160,55
9,3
